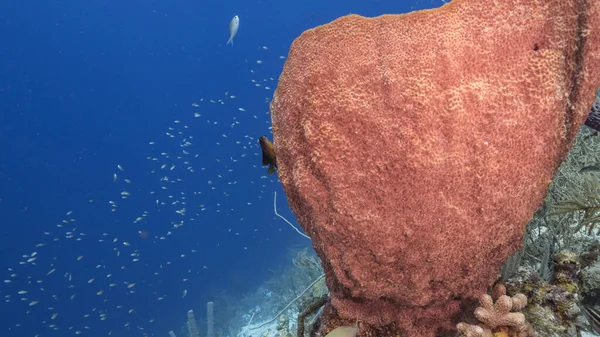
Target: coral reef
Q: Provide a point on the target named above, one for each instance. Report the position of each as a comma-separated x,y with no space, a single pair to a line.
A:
283,327
563,220
553,308
590,289
308,310
413,157
287,293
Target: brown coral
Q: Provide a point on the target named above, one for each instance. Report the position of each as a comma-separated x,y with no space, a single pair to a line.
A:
500,316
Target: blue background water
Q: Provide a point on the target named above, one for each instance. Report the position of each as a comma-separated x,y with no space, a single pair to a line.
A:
85,86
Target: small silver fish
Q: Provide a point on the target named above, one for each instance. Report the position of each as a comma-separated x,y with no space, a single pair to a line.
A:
234,25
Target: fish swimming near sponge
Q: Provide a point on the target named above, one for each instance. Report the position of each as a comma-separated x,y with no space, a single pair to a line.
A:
268,154
344,331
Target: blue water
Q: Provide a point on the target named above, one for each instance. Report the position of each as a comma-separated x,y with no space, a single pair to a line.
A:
89,85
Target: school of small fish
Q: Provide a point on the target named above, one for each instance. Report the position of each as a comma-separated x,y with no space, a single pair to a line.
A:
104,273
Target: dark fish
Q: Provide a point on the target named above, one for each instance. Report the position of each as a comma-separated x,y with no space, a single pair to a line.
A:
268,154
593,120
590,168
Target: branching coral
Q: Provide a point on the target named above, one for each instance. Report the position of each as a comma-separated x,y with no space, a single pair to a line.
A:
499,316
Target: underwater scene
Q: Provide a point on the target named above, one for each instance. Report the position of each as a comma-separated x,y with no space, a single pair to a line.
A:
423,168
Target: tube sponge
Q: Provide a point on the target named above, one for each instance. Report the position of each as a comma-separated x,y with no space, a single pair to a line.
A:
192,325
209,319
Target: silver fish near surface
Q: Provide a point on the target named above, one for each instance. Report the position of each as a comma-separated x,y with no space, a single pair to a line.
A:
234,25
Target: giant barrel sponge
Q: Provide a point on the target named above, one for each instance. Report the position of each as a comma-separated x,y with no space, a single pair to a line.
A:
414,148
